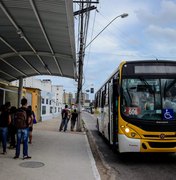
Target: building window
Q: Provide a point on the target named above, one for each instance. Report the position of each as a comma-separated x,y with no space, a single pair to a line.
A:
46,101
50,102
51,109
43,109
43,101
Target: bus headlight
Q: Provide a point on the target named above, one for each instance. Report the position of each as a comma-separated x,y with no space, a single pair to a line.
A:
129,132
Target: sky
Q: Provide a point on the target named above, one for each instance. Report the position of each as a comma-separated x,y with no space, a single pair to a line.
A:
149,32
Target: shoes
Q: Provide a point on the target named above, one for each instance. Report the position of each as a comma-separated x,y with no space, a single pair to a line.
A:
26,157
30,142
4,153
12,147
15,157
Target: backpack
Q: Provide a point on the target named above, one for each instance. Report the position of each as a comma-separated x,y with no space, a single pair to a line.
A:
21,119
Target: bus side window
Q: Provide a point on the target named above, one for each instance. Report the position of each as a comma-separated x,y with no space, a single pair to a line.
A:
103,96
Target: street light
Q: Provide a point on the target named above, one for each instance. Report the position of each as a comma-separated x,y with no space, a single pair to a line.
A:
122,16
81,56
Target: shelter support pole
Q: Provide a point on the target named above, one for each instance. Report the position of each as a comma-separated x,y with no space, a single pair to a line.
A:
4,96
20,90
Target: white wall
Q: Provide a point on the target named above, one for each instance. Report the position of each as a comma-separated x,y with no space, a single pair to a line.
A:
52,96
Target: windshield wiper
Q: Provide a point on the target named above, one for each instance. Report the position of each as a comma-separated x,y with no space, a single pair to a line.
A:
148,86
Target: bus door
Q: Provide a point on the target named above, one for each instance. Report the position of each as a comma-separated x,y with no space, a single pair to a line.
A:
113,97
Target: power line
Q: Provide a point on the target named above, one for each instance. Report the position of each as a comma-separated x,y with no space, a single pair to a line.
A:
122,16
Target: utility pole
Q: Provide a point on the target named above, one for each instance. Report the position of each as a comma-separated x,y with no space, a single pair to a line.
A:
81,58
80,71
82,51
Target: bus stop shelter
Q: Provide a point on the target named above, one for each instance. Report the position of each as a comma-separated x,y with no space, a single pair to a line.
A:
36,38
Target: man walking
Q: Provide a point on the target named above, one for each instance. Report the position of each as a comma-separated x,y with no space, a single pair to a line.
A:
22,119
65,118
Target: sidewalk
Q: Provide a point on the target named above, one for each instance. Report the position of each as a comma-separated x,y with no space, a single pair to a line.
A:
55,156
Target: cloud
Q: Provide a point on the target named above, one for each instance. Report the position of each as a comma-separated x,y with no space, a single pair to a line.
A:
161,14
102,43
163,34
162,41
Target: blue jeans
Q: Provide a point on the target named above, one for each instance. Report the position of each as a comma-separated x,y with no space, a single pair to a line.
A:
64,124
22,134
4,132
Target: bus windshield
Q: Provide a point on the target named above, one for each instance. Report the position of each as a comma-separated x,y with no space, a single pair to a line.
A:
148,99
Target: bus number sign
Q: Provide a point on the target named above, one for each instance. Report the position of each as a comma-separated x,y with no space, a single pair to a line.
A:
132,111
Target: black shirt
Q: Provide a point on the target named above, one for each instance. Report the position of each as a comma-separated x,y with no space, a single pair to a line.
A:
4,118
74,116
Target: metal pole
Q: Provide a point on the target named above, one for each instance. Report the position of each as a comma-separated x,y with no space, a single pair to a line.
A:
20,89
79,93
4,96
64,98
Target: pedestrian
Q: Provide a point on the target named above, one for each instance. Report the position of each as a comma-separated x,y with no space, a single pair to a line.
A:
12,127
8,106
5,120
65,118
31,124
74,117
23,118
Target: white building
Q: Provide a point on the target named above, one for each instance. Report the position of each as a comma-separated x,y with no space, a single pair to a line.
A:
52,96
58,96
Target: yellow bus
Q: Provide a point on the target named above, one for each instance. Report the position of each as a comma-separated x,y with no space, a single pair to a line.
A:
136,107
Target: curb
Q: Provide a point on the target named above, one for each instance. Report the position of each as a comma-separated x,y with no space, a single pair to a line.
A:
99,158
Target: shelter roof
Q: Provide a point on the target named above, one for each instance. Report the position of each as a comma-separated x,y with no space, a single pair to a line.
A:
36,38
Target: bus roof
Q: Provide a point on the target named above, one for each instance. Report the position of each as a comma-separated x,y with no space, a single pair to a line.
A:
133,62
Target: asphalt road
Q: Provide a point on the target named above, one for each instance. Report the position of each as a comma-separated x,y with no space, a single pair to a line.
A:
132,166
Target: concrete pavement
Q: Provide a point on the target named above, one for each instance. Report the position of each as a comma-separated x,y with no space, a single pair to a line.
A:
55,155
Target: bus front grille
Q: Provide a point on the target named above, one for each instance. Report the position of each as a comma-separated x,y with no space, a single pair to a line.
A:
158,136
162,144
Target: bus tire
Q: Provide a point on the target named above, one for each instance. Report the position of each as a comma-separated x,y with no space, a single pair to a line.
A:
98,129
109,133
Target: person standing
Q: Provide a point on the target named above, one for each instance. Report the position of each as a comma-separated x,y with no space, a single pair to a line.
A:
23,118
5,120
12,128
74,117
65,118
